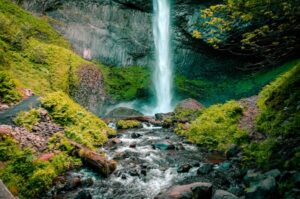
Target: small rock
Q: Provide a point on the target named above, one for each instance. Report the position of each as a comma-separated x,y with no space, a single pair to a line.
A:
116,141
180,146
205,168
135,135
87,182
163,146
73,183
221,194
84,195
133,145
46,157
252,177
184,168
224,166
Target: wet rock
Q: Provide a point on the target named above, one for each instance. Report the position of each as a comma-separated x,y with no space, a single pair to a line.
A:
97,162
134,172
135,135
163,146
180,146
195,190
73,183
123,112
224,166
84,195
221,194
164,116
87,182
3,107
133,145
275,173
144,172
184,168
236,190
205,168
196,164
252,177
264,190
116,141
232,151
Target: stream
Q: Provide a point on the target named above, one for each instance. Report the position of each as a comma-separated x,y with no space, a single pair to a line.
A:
150,160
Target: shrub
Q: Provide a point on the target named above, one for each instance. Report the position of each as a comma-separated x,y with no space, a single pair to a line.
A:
216,123
80,125
279,105
8,88
28,119
128,124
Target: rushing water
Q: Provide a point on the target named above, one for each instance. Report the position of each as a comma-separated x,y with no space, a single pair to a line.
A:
163,67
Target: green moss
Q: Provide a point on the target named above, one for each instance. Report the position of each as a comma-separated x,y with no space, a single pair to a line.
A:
216,123
184,114
128,124
8,88
25,175
126,83
279,105
79,124
28,119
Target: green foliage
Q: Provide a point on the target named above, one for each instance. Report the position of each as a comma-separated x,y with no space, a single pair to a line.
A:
128,124
279,105
25,175
28,119
184,114
126,83
220,89
8,88
80,125
250,27
215,123
34,53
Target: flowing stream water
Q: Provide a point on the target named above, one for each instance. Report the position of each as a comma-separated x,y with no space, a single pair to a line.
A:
163,67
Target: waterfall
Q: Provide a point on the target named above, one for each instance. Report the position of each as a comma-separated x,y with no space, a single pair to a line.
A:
163,68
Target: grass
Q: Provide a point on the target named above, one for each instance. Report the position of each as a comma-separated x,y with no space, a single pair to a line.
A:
8,88
28,119
128,124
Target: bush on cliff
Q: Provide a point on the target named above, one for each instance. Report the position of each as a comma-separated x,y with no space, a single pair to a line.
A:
8,88
79,124
28,119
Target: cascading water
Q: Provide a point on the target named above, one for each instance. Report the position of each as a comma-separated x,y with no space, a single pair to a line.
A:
163,67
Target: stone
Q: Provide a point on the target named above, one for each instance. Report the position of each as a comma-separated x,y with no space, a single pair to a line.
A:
116,141
221,194
164,116
135,135
46,156
73,183
184,168
133,145
252,177
123,112
265,189
205,168
224,166
163,146
275,173
4,192
201,190
6,130
189,103
84,195
87,182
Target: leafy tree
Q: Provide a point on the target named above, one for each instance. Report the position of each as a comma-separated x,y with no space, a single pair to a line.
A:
262,29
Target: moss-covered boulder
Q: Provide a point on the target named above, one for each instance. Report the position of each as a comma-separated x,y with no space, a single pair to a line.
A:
128,124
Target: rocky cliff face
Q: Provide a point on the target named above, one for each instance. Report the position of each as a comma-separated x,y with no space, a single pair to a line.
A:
119,32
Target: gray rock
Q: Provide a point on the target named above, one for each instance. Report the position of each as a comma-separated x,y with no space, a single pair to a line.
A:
205,168
221,194
4,192
252,177
195,190
224,166
84,195
123,112
264,190
163,146
184,168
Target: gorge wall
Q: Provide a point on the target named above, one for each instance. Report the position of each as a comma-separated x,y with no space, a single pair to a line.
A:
119,33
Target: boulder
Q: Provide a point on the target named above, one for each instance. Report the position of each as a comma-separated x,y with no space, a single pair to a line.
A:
163,146
123,112
4,192
205,168
164,116
97,162
189,104
201,190
135,135
221,194
265,189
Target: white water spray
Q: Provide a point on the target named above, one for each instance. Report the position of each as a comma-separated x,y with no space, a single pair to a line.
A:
163,68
